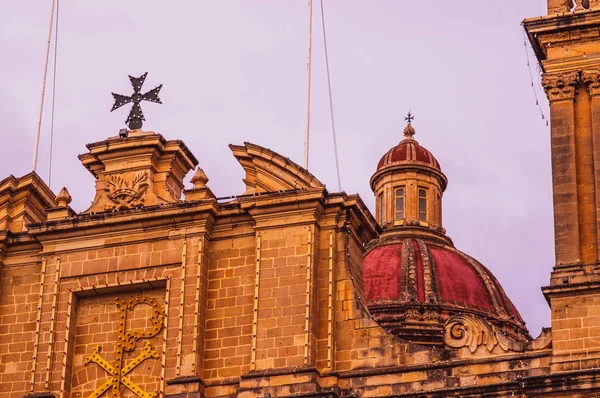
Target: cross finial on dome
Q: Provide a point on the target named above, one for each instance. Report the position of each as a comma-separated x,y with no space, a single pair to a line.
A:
409,131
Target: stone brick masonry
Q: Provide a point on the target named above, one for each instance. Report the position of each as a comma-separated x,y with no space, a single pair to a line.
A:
147,295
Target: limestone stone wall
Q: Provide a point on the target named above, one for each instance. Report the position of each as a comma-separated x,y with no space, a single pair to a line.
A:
229,298
576,332
265,300
19,298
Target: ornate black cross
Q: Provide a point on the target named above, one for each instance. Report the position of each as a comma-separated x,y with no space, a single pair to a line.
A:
136,116
409,118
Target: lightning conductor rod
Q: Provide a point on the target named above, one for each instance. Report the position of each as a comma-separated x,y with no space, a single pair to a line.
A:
37,136
335,151
308,64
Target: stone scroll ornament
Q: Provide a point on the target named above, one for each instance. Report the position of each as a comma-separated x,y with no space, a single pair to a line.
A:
126,193
126,342
471,332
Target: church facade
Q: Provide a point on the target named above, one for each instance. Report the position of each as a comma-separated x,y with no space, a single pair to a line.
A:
290,290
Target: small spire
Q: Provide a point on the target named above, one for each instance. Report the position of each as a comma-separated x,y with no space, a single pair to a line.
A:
199,179
63,198
409,131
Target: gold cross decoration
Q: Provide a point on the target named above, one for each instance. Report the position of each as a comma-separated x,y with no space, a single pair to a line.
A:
126,342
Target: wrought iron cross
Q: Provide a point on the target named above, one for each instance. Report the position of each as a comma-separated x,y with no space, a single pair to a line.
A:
409,118
136,116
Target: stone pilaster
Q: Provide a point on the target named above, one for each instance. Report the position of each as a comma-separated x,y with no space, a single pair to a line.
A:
575,146
591,77
560,89
566,45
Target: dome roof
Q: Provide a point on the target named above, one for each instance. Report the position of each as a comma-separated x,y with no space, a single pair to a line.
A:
412,280
408,151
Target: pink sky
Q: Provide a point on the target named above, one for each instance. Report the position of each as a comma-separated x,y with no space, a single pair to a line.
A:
234,71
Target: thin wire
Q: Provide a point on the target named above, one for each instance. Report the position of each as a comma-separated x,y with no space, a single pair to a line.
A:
537,102
53,94
337,163
37,136
308,70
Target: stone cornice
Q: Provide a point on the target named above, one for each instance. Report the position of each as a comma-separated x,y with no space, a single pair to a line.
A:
560,86
404,166
314,205
355,202
570,289
591,77
443,364
567,64
111,222
561,30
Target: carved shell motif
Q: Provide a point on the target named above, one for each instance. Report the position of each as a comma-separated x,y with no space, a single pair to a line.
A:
126,193
472,332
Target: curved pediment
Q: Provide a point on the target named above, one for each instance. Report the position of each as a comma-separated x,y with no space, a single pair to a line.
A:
268,171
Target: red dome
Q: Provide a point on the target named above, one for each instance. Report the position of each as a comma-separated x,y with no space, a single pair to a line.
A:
436,279
408,151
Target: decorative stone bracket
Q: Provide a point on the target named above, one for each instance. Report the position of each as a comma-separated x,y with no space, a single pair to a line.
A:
472,332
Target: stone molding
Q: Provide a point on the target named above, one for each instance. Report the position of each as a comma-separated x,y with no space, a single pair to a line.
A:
268,171
560,86
23,201
591,77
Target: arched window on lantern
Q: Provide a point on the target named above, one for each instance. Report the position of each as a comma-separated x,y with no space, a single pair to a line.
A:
400,202
422,204
381,209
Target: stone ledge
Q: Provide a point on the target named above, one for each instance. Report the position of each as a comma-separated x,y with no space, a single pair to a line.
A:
44,394
185,380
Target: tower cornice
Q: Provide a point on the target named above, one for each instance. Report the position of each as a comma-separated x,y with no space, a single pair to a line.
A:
409,167
565,41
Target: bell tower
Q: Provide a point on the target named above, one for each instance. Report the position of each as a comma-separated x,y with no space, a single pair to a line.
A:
567,45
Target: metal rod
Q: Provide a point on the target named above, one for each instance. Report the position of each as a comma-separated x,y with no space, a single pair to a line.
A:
255,305
68,328
38,321
52,330
335,151
308,70
163,372
53,95
330,306
200,264
39,127
308,297
181,308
